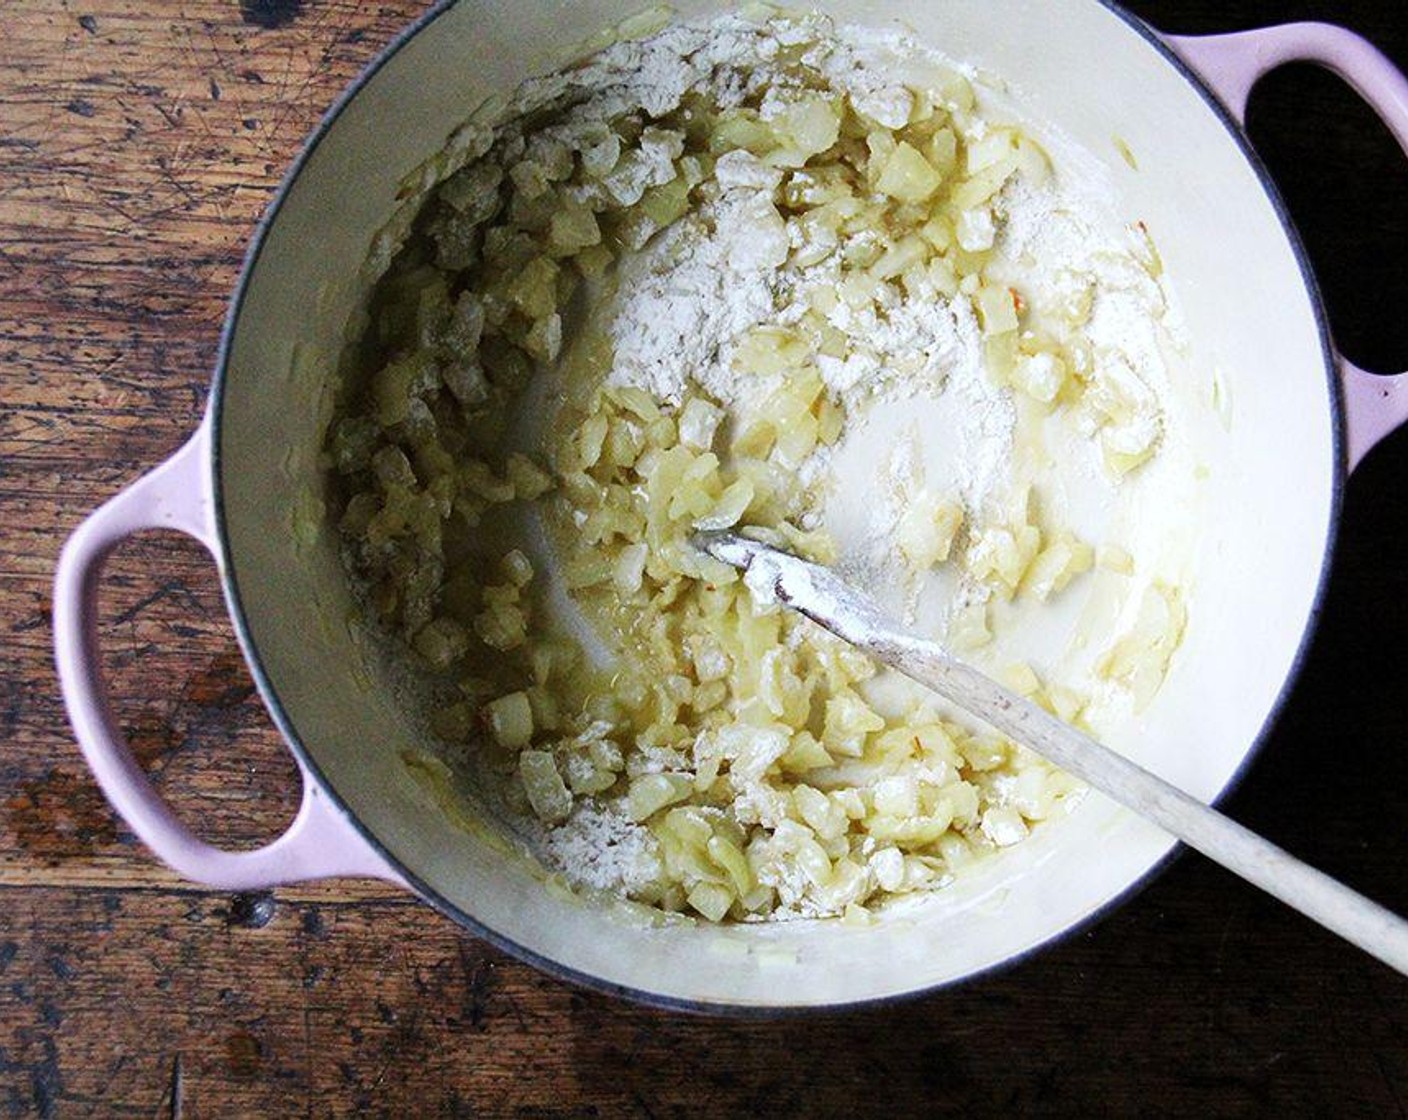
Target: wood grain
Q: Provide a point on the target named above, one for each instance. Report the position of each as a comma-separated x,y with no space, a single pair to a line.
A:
139,142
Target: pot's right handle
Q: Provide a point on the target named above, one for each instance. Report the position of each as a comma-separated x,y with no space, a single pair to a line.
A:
1230,65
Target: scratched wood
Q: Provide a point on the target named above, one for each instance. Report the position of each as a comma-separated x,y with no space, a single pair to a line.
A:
139,141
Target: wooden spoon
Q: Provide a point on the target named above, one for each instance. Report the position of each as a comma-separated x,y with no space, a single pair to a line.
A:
827,600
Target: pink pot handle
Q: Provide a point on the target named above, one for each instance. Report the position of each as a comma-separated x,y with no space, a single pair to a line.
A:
1230,65
320,842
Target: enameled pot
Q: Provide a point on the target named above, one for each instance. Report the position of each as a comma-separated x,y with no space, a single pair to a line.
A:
246,484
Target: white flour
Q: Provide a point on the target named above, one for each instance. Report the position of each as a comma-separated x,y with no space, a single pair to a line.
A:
601,848
685,301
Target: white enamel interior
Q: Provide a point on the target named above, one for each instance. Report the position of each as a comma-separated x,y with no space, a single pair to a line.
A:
1259,540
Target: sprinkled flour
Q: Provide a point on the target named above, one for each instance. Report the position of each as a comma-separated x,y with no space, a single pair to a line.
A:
688,299
600,848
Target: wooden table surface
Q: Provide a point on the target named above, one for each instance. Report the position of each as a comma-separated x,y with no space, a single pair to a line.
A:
139,142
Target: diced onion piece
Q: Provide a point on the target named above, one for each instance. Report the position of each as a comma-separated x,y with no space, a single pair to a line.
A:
534,290
758,242
630,568
572,228
769,350
805,754
728,856
544,338
502,626
1000,555
1063,558
848,721
976,230
887,865
796,440
810,856
897,796
741,128
600,155
1033,164
466,380
891,106
584,778
1040,376
698,423
1113,558
1140,659
441,642
997,310
1130,413
590,438
650,793
996,146
517,568
968,629
1067,703
981,186
665,204
823,816
741,168
477,478
1032,795
510,720
927,530
809,125
1004,826
711,899
1021,678
901,256
529,480
593,261
730,507
907,176
942,151
548,795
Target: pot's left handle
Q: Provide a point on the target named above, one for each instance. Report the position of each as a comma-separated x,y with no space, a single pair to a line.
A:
320,842
1230,65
